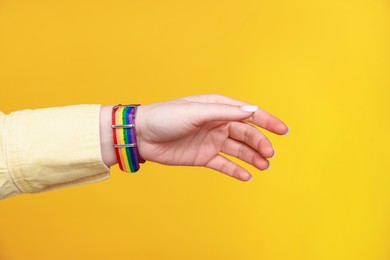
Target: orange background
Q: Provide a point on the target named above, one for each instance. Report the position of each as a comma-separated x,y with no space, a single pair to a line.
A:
321,66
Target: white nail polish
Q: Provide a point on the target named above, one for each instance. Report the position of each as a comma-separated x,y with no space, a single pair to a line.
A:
249,108
288,131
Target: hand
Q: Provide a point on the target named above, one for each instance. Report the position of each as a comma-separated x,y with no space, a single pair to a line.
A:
193,131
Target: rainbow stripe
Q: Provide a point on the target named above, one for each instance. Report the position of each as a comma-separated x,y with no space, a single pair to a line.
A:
128,157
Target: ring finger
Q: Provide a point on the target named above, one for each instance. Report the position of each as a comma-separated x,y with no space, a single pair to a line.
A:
245,153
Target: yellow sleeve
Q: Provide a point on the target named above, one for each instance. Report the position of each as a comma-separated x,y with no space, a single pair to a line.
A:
50,148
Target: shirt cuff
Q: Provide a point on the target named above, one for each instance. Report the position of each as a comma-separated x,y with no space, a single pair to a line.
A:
52,148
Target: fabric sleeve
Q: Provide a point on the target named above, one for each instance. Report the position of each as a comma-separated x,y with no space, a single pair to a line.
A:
50,148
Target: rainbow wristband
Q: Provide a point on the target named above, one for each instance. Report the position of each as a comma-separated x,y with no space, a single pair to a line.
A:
125,143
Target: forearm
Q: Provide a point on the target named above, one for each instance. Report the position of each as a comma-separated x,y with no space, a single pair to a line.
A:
106,137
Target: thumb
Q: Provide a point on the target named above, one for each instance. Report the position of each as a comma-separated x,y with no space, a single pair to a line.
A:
207,112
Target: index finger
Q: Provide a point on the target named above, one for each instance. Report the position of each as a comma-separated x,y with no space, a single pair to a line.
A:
260,118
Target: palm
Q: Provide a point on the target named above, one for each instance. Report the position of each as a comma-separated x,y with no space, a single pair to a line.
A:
197,147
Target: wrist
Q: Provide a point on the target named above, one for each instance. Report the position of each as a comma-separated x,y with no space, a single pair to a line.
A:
139,130
106,137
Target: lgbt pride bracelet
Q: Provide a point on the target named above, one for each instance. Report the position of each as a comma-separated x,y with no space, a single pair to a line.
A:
125,142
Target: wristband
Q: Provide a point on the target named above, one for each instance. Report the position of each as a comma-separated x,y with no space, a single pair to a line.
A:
125,142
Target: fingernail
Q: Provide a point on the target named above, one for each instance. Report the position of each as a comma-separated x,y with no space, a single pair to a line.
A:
251,178
269,165
250,108
273,154
288,131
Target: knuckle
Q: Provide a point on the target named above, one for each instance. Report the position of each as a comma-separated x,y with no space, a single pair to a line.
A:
236,172
227,108
259,144
255,159
241,152
225,167
225,145
247,135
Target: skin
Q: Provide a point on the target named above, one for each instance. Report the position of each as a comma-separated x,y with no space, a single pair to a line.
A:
194,130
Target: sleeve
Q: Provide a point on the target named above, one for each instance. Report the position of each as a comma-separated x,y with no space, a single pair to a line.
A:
50,148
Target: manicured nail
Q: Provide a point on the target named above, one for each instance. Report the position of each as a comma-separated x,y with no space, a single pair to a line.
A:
273,154
288,131
251,178
249,108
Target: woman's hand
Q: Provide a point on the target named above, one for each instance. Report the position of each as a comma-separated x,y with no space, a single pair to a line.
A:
193,131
